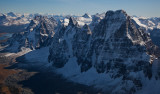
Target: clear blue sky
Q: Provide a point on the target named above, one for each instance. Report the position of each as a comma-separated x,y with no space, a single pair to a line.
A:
148,8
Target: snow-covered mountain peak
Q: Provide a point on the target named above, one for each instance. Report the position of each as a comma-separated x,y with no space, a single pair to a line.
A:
147,23
72,21
86,15
40,17
111,24
117,15
38,34
11,14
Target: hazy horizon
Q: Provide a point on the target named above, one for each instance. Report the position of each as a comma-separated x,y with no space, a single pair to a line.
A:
145,8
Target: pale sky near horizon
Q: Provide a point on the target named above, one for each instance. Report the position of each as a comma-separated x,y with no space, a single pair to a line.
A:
147,8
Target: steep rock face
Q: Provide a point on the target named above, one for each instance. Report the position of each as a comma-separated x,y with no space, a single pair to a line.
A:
96,19
81,44
43,32
3,19
115,48
38,34
62,48
69,42
72,22
118,44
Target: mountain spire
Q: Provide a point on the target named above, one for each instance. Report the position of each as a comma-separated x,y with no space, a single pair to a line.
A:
86,15
72,21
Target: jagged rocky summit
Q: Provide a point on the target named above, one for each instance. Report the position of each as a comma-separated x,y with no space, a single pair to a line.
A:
86,15
38,34
115,48
112,53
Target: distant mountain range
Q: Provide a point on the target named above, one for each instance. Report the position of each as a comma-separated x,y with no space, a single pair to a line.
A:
112,51
15,22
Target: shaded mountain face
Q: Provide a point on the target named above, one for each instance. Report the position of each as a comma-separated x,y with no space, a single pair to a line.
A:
38,34
3,18
115,48
96,19
111,53
155,36
86,15
11,14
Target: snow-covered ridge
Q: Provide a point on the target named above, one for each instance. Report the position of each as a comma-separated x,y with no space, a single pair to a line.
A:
14,19
107,51
11,18
38,34
22,20
147,23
